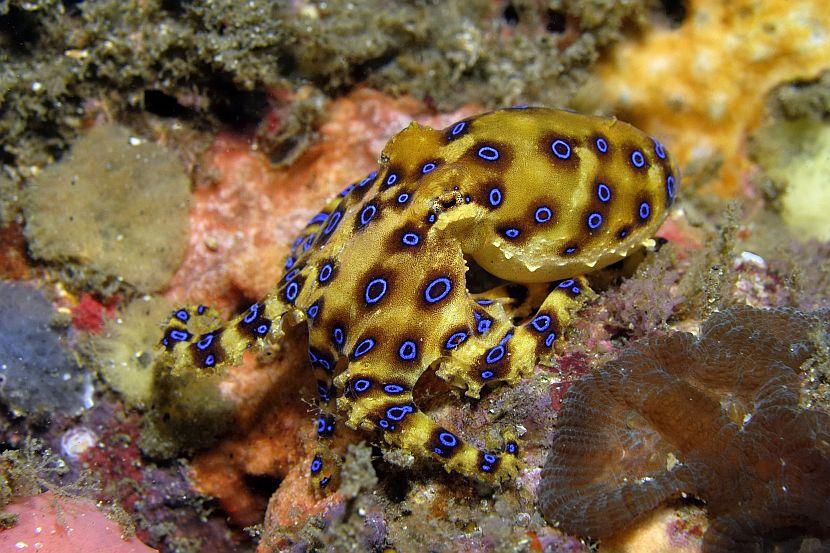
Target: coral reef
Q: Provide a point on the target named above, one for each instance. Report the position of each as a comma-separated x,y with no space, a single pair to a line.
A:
705,99
715,417
85,211
38,374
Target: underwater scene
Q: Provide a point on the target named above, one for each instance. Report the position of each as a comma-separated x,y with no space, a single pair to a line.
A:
414,276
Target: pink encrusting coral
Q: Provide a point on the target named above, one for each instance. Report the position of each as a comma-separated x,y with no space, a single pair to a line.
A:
716,417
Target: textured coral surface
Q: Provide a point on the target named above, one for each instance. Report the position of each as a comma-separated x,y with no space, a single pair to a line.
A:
716,417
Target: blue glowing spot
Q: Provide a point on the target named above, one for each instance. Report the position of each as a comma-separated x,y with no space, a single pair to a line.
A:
200,310
671,189
403,197
368,179
291,291
291,275
638,160
488,153
458,128
455,340
495,354
391,179
566,283
251,315
603,192
427,168
375,290
182,315
550,339
205,342
570,249
645,211
290,262
438,289
560,149
602,145
317,219
313,310
397,413
338,336
495,197
333,221
325,273
487,375
262,329
594,221
210,360
411,239
541,323
447,439
658,149
408,350
393,389
361,385
367,214
543,214
316,464
365,346
484,302
431,218
511,447
324,482
179,336
511,233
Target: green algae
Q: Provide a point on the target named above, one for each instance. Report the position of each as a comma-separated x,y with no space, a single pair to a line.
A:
116,207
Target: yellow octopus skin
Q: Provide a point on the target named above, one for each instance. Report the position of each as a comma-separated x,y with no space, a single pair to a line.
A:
534,195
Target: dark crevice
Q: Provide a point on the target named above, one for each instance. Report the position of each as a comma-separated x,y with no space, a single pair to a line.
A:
511,15
557,21
675,11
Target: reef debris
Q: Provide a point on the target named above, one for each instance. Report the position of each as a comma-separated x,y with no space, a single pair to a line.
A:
716,417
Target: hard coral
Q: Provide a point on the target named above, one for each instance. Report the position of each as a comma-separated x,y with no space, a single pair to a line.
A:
716,417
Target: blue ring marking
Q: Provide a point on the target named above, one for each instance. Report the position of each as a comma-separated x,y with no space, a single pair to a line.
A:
570,249
623,233
550,339
252,313
495,197
602,145
512,232
391,179
458,128
182,315
594,221
447,283
338,336
297,242
428,167
262,329
367,179
210,360
291,291
410,239
541,323
456,340
364,347
321,425
308,242
603,192
566,283
393,389
333,221
323,391
398,412
484,325
325,273
431,218
658,149
290,262
487,375
201,309
361,385
638,159
324,482
383,423
316,464
374,298
511,447
313,310
292,274
670,186
367,214
346,191
495,354
179,335
490,458
408,350
403,198
645,210
448,439
560,149
484,302
486,468
488,153
543,214
319,218
205,342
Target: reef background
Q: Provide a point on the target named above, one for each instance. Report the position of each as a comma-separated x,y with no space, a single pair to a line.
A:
154,152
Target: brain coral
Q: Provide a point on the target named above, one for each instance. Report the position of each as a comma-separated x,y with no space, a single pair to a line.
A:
115,206
715,416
